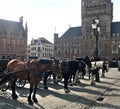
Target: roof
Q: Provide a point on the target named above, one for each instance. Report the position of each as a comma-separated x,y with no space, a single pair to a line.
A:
41,40
72,32
77,31
115,28
9,28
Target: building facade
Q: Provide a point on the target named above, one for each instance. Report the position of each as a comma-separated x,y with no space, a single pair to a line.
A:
13,39
40,48
80,41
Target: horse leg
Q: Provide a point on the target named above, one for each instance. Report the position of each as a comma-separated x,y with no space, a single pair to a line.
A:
76,77
66,78
45,80
89,73
29,97
54,78
70,77
92,78
97,78
83,73
103,73
14,95
34,94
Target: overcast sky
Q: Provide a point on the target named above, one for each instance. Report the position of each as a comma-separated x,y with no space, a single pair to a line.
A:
45,17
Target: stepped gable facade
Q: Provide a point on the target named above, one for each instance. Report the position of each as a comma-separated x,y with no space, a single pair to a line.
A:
13,39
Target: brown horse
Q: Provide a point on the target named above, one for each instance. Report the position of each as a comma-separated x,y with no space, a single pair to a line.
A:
32,71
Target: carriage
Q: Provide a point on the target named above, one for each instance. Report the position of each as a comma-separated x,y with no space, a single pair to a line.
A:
31,71
20,83
4,72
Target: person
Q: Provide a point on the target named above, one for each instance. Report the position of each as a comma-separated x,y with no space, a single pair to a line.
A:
66,73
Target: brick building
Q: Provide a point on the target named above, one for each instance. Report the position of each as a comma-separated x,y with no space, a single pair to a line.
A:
80,41
13,38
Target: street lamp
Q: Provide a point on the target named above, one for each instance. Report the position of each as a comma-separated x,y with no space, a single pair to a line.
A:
96,30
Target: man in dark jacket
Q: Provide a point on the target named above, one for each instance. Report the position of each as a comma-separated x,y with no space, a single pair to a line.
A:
66,73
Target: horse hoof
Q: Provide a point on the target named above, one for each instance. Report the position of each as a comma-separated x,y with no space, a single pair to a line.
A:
46,88
31,103
66,90
14,97
92,83
75,84
35,100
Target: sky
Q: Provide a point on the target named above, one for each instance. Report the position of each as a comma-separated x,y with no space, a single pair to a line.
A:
46,17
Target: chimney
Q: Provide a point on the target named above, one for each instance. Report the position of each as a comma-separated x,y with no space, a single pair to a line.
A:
21,20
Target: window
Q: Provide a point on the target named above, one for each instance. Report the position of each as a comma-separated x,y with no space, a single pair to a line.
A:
114,49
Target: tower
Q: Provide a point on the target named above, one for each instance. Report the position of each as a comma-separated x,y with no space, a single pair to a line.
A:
103,9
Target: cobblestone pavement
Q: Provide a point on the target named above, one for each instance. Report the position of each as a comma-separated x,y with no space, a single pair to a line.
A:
104,95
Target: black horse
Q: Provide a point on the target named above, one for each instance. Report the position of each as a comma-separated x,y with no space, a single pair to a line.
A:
66,70
74,66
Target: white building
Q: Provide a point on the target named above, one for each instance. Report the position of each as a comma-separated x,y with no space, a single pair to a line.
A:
40,48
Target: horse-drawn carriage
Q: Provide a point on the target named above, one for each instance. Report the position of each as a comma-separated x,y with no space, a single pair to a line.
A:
31,71
4,72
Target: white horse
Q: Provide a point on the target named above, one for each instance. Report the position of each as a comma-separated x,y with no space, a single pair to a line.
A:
98,65
95,65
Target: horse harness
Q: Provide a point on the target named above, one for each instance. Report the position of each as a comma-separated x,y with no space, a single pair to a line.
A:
32,71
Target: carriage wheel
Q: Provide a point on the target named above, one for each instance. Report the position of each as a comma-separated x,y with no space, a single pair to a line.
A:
59,78
20,83
4,87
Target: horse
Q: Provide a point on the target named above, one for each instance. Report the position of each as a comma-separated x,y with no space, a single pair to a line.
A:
73,66
76,67
80,69
96,66
65,69
55,71
31,71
